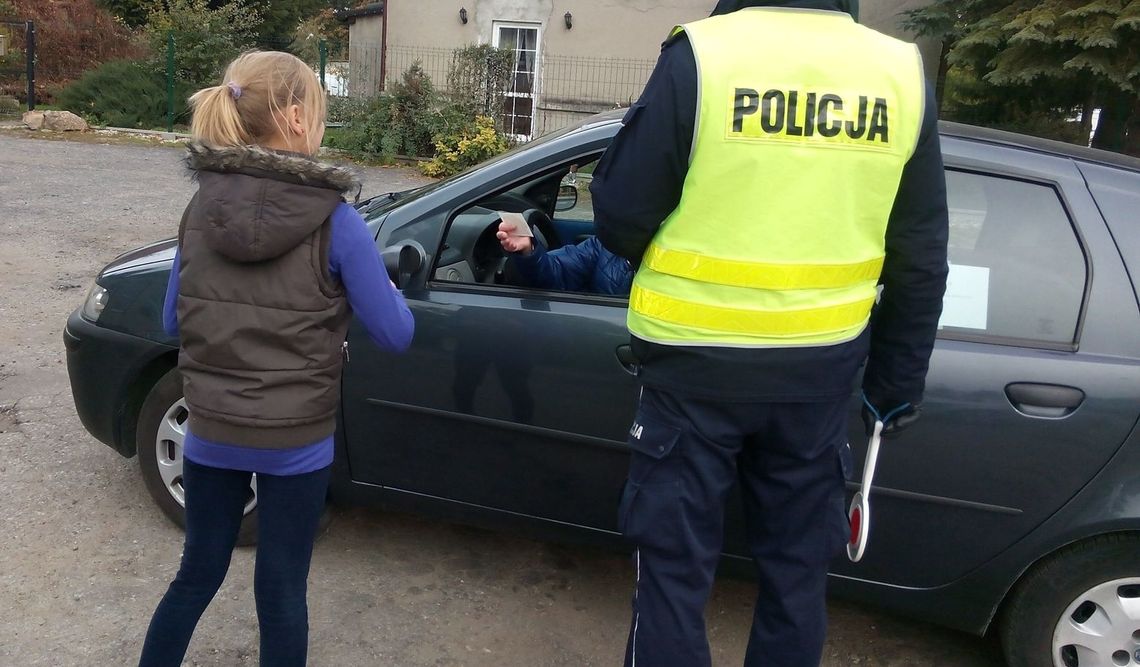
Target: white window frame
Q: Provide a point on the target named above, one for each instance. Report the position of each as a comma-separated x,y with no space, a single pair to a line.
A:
534,95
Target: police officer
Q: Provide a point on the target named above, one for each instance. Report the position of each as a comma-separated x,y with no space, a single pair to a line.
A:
781,169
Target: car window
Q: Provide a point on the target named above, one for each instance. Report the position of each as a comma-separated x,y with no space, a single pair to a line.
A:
557,206
1016,266
579,178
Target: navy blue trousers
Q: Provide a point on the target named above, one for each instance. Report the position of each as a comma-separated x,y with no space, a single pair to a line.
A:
790,460
288,512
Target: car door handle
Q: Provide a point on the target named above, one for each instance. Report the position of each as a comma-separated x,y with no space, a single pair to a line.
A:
1052,401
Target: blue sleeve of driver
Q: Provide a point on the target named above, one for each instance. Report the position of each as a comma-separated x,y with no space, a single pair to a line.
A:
567,268
170,303
355,262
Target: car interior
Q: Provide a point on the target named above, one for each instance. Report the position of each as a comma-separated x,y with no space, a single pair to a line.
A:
556,205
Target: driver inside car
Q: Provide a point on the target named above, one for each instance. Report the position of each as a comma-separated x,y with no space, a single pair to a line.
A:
584,267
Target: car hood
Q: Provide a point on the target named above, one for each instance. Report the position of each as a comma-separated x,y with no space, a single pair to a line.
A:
155,253
162,252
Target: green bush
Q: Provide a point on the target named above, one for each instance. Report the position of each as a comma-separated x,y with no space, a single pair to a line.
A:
467,147
365,125
478,78
206,38
413,119
123,93
349,109
403,121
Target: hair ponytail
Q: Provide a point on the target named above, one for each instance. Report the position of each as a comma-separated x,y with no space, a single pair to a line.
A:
217,121
257,88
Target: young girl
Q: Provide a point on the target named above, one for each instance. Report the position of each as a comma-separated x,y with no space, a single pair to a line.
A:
271,266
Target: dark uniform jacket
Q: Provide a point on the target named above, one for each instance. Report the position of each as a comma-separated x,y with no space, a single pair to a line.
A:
650,157
261,320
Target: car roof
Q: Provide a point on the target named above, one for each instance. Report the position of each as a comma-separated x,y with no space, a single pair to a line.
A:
1059,148
962,131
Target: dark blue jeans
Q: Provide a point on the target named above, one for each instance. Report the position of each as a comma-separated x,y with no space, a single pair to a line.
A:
288,512
790,460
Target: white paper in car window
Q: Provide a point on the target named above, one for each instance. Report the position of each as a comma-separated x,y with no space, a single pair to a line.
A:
967,297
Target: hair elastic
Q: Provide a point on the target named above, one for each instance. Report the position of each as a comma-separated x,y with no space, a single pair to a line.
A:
235,90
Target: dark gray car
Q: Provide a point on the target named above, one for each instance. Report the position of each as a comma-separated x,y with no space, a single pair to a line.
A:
1014,504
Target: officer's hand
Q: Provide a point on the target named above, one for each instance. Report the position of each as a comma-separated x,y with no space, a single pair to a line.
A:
512,243
897,420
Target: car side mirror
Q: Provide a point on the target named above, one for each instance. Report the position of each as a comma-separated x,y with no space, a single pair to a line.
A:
567,198
403,261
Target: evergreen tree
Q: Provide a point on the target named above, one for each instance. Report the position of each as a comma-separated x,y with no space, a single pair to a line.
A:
1041,58
205,38
134,13
280,20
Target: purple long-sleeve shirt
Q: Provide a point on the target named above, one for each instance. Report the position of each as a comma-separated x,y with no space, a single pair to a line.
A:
353,261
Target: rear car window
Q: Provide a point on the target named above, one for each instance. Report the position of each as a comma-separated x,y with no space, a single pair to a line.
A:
1016,266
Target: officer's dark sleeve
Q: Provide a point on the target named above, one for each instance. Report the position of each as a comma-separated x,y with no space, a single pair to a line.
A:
904,323
637,183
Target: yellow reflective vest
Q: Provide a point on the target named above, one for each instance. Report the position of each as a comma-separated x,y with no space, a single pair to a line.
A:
805,120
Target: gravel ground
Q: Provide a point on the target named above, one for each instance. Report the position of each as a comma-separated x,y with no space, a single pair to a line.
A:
86,554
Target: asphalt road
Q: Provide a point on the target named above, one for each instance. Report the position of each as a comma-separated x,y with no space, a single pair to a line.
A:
86,555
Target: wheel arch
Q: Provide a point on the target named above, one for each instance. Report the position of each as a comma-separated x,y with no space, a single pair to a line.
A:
1057,551
140,385
1033,609
1109,504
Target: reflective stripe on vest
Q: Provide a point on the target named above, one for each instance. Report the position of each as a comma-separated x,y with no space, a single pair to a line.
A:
780,323
800,142
758,274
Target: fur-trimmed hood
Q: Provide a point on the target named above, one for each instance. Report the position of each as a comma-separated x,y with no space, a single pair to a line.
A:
259,204
305,170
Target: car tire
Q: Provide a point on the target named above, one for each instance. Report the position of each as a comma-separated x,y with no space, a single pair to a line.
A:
1079,607
161,428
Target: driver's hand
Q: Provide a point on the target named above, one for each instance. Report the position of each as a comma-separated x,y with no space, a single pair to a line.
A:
511,243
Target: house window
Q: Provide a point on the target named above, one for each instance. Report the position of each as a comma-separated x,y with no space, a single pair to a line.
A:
521,97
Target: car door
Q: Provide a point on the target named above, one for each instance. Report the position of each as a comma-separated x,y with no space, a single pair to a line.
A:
1029,393
510,398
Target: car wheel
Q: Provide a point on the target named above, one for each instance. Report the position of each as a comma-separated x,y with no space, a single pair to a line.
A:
1080,608
160,434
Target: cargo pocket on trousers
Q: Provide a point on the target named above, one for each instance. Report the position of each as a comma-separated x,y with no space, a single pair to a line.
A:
653,482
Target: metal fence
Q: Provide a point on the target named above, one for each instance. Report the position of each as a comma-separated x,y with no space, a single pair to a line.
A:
17,66
569,87
573,87
369,69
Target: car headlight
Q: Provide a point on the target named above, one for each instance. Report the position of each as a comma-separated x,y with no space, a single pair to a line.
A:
95,302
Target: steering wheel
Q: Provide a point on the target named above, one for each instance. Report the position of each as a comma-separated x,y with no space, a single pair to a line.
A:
488,259
541,222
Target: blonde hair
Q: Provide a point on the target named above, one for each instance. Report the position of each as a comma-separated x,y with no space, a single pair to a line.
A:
248,107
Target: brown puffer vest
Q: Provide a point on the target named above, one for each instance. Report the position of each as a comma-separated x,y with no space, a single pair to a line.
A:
261,320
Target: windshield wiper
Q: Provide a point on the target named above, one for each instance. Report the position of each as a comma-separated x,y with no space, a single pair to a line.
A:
381,200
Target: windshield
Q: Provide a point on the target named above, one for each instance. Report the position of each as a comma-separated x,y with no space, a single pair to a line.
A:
380,205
